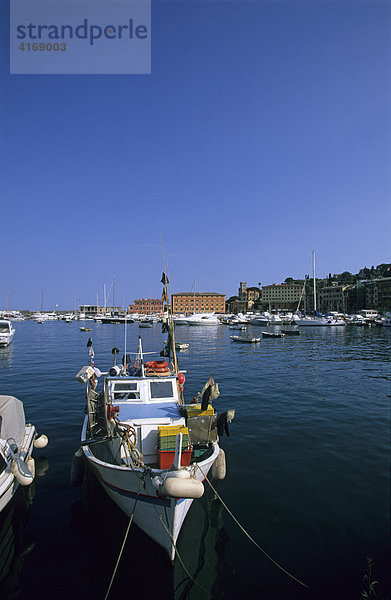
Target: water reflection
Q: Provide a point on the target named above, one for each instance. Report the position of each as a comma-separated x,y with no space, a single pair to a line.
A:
201,547
6,356
15,545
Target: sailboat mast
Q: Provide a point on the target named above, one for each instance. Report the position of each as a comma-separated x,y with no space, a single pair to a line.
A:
313,268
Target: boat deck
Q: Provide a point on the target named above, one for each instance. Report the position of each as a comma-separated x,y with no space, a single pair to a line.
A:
160,410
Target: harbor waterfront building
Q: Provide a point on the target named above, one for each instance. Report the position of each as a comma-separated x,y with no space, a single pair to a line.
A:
146,306
333,298
246,299
198,302
281,296
91,310
378,294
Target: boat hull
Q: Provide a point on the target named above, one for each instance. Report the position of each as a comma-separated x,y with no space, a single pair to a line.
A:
132,490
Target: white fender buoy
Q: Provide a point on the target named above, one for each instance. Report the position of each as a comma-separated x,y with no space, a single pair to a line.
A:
41,441
77,468
180,474
219,467
21,472
30,462
177,487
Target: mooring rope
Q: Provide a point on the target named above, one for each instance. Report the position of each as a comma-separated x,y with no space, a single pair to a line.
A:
252,539
180,559
123,544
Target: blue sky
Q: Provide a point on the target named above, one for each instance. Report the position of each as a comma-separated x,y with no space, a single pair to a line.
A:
262,133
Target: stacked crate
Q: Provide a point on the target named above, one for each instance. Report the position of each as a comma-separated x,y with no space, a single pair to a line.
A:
166,440
201,423
195,410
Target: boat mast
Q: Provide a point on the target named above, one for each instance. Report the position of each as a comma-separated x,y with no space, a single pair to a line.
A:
313,269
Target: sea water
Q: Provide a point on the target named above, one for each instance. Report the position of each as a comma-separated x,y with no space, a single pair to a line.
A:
307,470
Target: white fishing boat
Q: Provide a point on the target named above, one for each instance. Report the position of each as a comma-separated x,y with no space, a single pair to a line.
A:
17,440
149,450
7,332
203,319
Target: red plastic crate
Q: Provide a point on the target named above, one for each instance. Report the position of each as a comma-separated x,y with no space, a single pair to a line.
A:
166,458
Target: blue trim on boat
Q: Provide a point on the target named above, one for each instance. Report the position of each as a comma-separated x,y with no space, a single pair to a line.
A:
135,496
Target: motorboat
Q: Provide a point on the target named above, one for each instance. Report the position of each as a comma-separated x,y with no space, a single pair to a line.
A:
203,319
261,319
7,332
17,440
179,319
11,315
319,321
151,451
275,320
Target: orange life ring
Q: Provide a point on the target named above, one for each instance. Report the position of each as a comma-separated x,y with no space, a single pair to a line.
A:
156,364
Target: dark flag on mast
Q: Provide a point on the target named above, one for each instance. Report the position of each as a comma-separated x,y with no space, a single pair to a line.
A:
165,325
165,281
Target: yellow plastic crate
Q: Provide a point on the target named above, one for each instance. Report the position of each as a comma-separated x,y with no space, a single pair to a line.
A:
168,430
194,410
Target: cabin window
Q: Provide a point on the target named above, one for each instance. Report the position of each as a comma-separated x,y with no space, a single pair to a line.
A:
161,389
4,328
126,391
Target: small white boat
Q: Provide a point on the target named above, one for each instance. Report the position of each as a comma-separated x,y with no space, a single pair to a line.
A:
272,334
248,340
145,323
181,346
7,332
17,440
238,326
85,328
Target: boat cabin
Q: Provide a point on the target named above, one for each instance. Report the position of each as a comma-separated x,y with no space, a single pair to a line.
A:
146,403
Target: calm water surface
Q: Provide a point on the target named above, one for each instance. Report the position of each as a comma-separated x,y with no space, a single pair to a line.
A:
307,459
